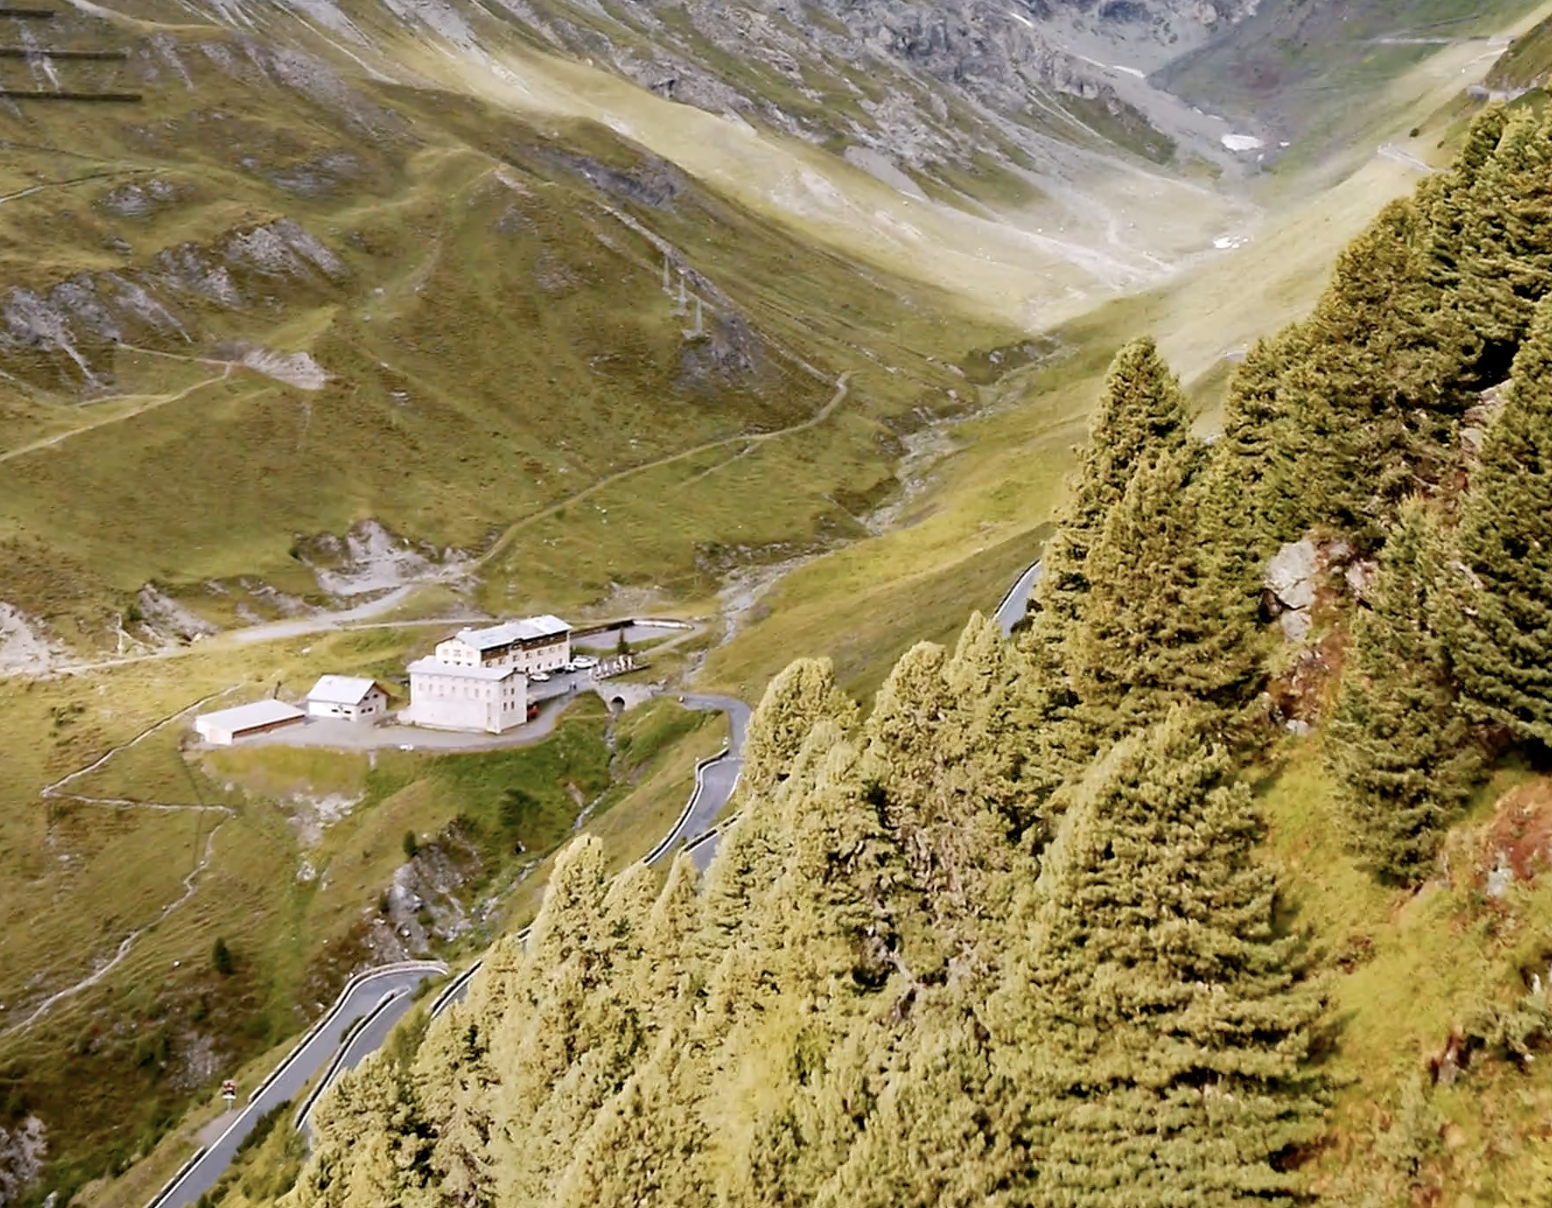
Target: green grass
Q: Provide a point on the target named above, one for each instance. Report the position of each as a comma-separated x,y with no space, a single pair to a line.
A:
1526,62
1405,968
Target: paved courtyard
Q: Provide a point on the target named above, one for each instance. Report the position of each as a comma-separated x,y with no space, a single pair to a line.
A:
338,734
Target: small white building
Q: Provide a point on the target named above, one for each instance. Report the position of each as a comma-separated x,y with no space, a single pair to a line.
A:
348,696
451,696
226,726
532,644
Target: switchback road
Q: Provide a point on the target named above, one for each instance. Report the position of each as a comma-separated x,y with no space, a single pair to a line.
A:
358,999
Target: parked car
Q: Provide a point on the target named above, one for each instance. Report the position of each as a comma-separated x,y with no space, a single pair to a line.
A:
584,661
540,677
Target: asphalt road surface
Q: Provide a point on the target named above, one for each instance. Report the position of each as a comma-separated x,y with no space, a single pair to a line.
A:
369,1037
298,1070
1016,603
718,780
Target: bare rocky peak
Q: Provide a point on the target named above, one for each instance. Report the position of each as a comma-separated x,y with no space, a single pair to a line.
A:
921,84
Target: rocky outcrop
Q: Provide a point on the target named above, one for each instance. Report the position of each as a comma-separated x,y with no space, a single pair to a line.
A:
1290,585
1298,572
22,1147
63,335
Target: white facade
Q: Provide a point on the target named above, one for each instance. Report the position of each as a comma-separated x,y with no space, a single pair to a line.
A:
349,697
447,696
225,726
532,644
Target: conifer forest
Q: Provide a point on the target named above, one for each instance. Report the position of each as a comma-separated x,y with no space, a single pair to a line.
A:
1010,937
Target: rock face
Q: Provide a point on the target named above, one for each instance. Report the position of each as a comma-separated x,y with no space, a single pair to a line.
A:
1290,575
916,84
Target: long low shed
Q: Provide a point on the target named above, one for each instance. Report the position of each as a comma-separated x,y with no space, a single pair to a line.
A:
225,726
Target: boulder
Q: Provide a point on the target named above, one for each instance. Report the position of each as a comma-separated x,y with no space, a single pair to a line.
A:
1290,574
1295,624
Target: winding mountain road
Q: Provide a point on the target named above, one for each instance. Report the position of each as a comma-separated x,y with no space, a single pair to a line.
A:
382,997
356,1001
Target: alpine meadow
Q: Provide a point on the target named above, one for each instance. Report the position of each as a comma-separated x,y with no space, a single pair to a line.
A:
887,604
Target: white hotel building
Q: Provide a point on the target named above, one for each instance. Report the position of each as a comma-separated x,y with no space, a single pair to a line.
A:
478,678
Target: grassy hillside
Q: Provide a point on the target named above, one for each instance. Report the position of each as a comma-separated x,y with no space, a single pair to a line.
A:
485,300
1525,64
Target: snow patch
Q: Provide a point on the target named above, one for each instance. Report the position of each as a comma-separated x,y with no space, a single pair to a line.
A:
1241,142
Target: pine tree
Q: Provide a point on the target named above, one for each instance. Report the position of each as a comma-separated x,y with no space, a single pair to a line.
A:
1254,502
455,1082
804,694
936,1136
1141,411
1154,1023
831,952
1001,721
942,787
1371,417
1397,743
1499,617
670,979
608,1031
1507,259
1445,199
1160,625
646,1148
535,1048
369,1144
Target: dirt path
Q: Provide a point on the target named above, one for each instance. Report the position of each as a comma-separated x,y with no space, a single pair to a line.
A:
153,401
58,791
504,542
74,180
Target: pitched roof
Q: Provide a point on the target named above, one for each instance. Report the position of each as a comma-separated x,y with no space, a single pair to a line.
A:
246,717
341,690
434,666
525,630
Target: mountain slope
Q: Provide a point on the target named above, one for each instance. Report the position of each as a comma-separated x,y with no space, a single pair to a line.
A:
255,280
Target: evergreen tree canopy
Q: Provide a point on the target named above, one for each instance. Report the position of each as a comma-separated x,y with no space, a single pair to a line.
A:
1507,245
1254,502
795,701
1160,624
1397,743
940,784
1499,615
1155,1024
1141,411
